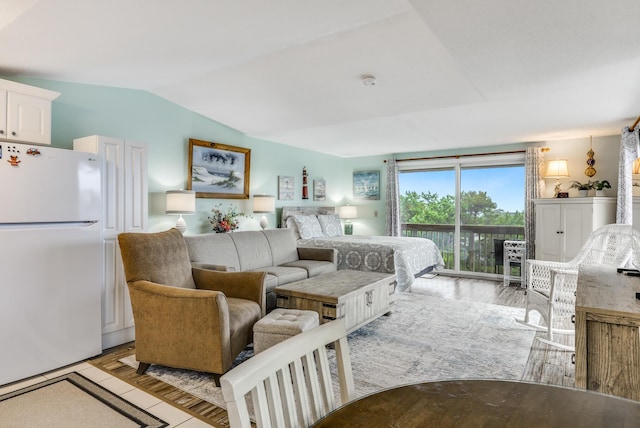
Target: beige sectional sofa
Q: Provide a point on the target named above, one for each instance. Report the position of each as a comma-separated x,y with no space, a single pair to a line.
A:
273,251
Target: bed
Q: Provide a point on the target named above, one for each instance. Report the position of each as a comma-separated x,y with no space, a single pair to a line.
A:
407,257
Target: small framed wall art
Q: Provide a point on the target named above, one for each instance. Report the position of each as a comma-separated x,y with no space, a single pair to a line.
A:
366,185
285,188
218,171
319,189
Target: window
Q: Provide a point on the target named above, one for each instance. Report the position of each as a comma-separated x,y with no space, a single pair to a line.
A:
465,206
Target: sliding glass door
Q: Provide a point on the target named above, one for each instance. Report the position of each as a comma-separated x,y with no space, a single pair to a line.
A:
467,207
428,208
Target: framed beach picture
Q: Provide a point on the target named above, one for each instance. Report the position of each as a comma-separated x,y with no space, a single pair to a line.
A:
366,185
319,189
285,188
218,170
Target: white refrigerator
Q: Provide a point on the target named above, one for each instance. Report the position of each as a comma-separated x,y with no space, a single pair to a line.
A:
50,259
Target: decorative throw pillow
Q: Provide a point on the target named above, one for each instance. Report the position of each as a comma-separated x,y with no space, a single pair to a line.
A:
308,226
330,224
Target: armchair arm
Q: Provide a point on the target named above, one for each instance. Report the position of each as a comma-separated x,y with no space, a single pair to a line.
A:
242,285
564,283
320,254
170,320
539,274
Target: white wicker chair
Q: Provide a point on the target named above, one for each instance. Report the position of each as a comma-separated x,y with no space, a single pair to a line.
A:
551,286
289,384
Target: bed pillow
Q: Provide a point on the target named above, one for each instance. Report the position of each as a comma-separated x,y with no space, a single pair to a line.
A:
290,223
330,224
308,226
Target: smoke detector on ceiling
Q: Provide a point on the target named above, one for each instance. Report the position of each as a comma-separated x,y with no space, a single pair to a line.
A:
368,80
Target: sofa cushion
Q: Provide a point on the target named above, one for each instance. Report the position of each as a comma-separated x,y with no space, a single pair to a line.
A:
283,245
213,248
313,267
253,249
285,274
308,226
330,224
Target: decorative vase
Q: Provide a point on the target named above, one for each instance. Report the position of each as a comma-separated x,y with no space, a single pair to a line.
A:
600,193
583,193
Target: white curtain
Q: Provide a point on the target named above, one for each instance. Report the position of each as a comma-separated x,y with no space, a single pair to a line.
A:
393,200
629,151
534,186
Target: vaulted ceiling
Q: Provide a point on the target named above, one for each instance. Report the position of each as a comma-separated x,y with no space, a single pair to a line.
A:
449,73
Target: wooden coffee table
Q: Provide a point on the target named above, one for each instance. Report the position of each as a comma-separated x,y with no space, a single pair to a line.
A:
357,297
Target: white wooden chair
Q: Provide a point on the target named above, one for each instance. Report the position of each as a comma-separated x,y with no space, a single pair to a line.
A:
289,384
551,286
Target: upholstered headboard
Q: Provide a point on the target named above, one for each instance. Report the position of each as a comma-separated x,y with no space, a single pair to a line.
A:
289,211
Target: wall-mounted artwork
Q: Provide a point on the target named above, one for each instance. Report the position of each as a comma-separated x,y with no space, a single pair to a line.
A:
218,171
366,185
319,189
285,188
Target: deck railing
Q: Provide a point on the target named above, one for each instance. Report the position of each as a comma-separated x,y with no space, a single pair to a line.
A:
477,253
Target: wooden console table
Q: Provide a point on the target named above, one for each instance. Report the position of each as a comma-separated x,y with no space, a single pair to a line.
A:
608,332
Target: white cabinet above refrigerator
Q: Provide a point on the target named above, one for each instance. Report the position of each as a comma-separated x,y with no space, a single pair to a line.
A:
25,112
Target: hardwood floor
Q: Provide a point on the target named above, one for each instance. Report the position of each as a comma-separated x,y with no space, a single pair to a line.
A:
546,364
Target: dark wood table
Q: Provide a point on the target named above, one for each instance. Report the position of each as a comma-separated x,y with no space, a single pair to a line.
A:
484,403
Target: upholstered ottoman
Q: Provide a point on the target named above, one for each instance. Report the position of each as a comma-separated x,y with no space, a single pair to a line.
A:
281,324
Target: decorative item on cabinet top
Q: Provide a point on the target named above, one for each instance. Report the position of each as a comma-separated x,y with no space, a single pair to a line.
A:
600,185
556,169
582,188
218,170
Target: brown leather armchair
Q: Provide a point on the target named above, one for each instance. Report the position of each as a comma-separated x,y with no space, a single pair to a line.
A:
186,317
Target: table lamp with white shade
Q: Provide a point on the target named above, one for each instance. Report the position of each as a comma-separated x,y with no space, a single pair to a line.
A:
556,169
348,212
181,202
264,204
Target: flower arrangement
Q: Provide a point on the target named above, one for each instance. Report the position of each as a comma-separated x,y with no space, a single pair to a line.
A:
224,221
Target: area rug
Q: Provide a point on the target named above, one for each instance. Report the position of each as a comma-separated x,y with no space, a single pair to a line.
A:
424,339
71,400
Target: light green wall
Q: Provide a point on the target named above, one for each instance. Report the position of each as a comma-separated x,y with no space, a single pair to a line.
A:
84,110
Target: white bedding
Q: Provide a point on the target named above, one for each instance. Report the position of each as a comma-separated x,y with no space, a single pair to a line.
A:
406,257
